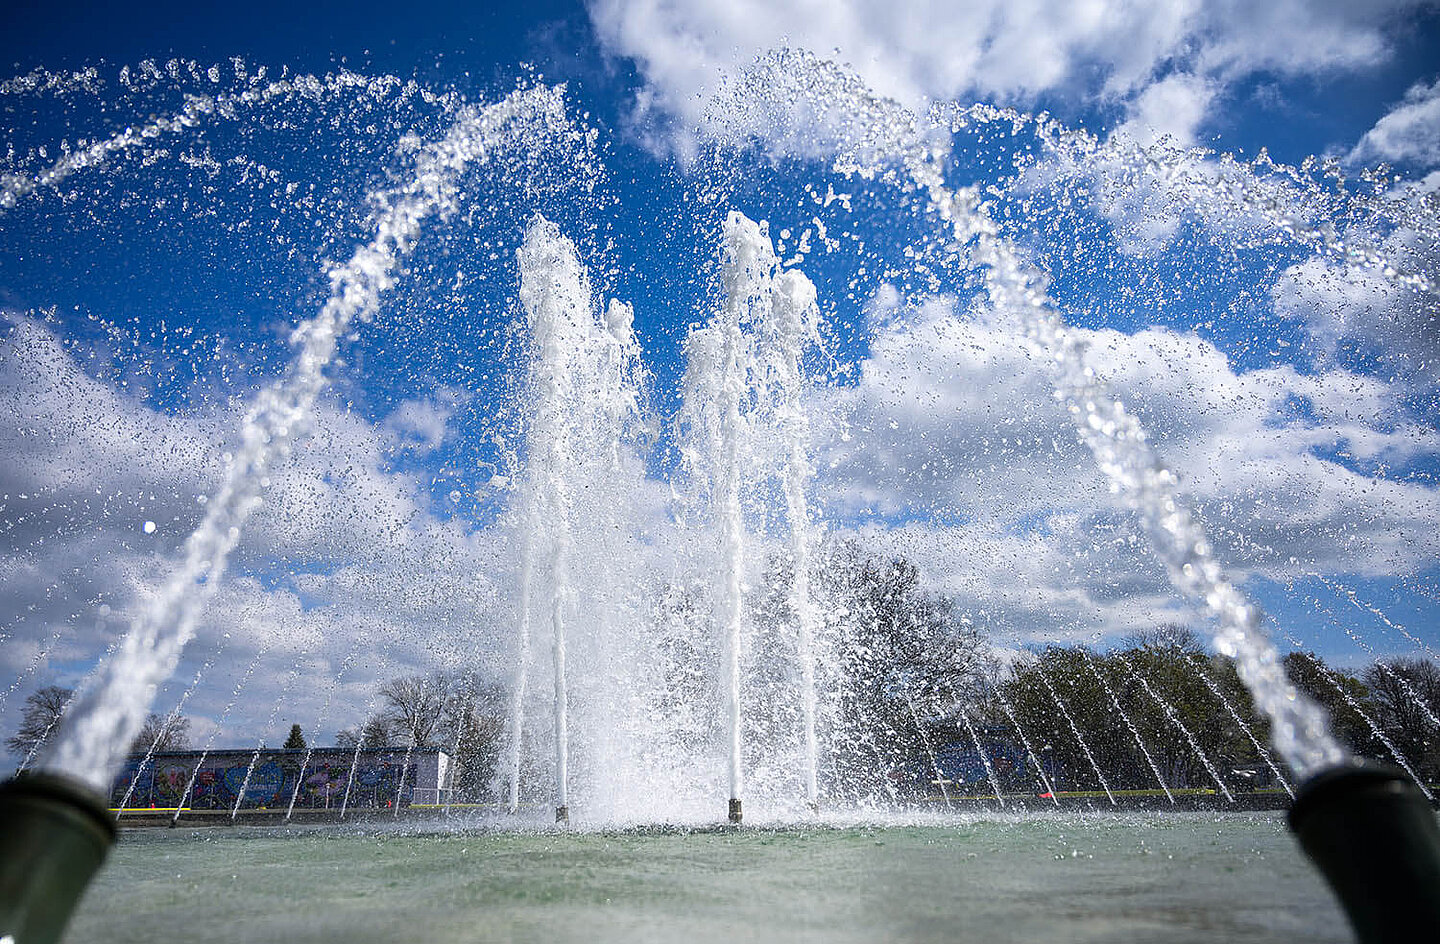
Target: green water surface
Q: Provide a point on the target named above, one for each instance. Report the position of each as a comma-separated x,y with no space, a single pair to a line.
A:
1152,877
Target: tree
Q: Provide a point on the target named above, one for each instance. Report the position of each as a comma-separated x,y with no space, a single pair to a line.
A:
41,715
1129,704
296,740
461,714
1064,684
905,663
1343,696
375,732
473,731
414,706
1405,694
159,734
1162,678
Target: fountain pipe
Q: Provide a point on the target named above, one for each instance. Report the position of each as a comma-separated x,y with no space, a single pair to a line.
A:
1375,838
54,834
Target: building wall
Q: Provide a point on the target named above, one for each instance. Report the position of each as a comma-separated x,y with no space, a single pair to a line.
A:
268,779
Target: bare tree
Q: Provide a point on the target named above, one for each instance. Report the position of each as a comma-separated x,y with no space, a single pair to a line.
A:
473,729
462,714
415,706
907,659
1406,697
376,732
162,733
41,716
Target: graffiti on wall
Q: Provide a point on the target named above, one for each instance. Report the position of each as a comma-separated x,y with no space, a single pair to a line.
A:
266,781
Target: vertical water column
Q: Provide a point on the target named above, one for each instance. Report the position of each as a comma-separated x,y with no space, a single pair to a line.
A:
719,358
617,728
579,391
791,329
528,529
742,389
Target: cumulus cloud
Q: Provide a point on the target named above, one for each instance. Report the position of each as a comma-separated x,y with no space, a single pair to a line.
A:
61,426
1170,110
342,579
1409,134
1011,52
346,577
1343,301
956,434
419,426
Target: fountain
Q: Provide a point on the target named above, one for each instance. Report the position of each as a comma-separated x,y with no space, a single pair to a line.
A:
672,532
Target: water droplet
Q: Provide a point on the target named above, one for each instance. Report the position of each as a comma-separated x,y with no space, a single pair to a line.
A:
149,527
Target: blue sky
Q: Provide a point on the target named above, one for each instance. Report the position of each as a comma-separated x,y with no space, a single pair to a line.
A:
148,300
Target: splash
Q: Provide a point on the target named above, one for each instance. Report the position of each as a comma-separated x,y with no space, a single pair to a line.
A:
676,555
108,713
742,390
878,136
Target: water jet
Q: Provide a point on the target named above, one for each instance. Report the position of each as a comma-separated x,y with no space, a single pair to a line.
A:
704,630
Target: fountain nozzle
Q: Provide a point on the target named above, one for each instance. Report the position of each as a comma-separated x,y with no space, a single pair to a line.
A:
562,815
54,834
1374,837
736,813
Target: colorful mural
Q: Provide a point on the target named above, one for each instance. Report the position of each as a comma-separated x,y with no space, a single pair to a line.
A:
267,780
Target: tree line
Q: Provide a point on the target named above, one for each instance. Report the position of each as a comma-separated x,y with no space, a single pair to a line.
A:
908,683
1161,712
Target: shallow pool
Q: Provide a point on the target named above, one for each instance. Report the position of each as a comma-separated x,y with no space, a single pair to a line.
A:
1129,877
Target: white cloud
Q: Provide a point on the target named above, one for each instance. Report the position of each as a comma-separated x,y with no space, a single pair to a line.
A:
419,426
1171,108
1340,301
343,579
344,560
1008,51
954,428
1409,133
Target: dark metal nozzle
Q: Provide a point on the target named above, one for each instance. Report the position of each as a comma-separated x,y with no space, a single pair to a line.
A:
54,834
1375,839
736,813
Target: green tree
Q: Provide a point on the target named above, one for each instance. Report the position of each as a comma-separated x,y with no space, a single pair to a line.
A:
1059,699
1154,696
296,740
1179,717
1345,698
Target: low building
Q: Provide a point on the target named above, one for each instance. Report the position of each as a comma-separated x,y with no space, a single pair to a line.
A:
321,778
